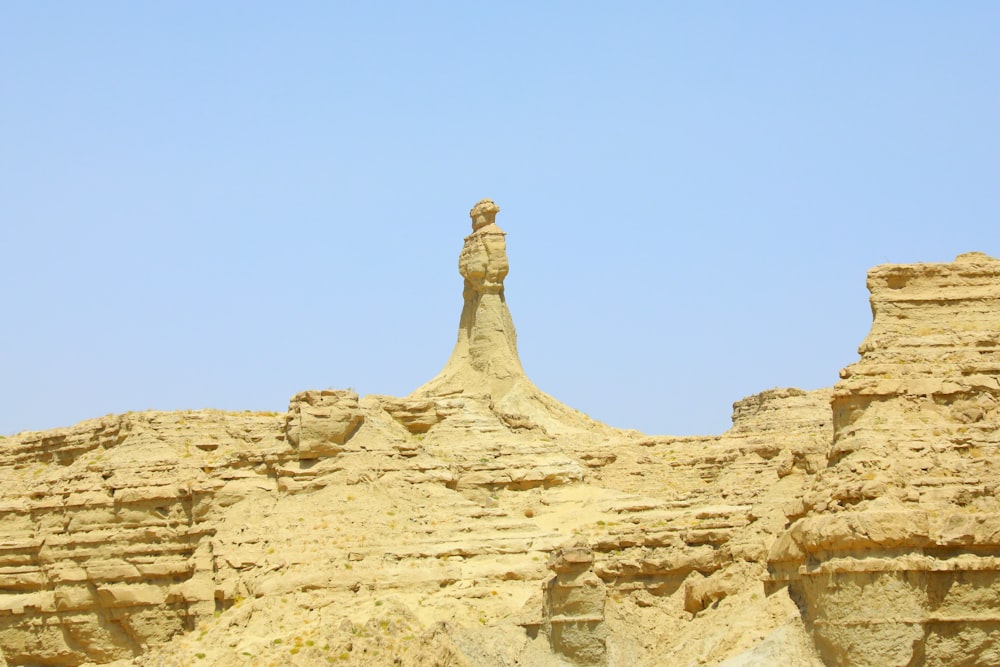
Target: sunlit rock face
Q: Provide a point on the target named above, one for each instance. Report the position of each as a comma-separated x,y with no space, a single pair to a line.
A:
485,356
893,551
484,365
478,521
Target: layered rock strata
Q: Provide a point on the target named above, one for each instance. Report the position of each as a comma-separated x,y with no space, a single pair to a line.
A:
106,531
574,606
895,546
208,533
480,522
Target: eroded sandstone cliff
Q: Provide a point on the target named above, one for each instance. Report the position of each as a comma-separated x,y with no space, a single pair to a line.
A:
478,521
893,551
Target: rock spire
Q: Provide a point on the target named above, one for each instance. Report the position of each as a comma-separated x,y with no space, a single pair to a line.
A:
484,363
485,356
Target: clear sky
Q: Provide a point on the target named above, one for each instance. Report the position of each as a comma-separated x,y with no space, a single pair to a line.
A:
220,204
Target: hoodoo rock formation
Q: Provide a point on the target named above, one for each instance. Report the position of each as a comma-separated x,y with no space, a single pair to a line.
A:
484,365
478,521
485,357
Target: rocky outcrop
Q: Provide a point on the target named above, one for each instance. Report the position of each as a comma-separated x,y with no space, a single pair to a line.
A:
574,606
484,364
480,522
418,415
893,553
485,358
320,422
106,532
208,533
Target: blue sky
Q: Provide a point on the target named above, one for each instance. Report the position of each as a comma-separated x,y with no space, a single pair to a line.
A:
220,204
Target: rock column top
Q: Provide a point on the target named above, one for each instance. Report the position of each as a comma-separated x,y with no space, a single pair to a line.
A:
483,213
483,261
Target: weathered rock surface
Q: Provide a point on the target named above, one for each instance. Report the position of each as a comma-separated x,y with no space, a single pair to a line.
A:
480,522
484,365
894,548
320,422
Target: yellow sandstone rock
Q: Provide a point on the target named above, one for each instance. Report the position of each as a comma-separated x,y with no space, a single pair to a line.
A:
479,521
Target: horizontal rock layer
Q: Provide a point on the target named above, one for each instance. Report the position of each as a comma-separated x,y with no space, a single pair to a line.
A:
894,547
126,533
846,526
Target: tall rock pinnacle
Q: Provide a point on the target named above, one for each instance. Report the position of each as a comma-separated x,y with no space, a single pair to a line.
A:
485,359
485,363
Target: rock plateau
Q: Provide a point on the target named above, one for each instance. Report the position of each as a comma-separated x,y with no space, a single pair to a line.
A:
479,521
